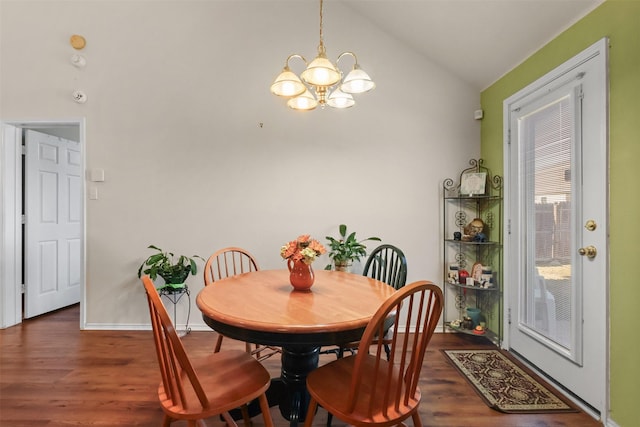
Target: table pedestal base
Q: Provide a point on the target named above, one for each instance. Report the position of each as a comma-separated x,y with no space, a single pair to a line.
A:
289,391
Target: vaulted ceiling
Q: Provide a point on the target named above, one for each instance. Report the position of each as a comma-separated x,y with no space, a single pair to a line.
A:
478,40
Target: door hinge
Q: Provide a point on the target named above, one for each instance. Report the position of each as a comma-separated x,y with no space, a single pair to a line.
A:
24,219
509,226
22,288
509,316
23,150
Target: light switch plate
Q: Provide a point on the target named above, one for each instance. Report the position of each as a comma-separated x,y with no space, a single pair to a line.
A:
96,175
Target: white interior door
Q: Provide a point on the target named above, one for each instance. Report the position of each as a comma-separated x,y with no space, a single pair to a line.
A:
53,206
557,202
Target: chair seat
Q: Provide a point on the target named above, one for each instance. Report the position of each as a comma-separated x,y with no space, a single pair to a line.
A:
330,387
229,379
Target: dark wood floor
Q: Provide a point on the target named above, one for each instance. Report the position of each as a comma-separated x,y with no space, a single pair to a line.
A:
53,374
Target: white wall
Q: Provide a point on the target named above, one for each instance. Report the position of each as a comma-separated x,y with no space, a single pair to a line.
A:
199,155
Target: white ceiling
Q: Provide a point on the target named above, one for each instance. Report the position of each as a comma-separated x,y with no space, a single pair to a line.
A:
478,40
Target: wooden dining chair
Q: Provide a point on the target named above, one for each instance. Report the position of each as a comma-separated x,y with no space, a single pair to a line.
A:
193,390
229,262
388,264
366,389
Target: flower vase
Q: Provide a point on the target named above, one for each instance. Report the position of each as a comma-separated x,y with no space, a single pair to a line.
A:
300,275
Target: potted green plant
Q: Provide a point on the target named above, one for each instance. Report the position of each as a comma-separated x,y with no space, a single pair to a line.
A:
163,264
346,249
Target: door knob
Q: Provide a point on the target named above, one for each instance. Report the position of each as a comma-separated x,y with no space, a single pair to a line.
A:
590,251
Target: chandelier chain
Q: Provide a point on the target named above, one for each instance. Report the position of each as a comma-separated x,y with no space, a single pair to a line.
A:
321,46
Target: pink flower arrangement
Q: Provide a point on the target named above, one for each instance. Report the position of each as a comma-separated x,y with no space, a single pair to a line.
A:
303,248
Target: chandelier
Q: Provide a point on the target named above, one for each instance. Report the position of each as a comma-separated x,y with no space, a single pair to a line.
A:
322,82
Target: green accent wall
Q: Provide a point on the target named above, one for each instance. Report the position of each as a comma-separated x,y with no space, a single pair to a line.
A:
620,21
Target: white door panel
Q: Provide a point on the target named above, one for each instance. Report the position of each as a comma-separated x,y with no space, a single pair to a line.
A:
557,172
46,270
53,207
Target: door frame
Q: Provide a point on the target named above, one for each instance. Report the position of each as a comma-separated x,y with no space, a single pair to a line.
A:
11,236
600,47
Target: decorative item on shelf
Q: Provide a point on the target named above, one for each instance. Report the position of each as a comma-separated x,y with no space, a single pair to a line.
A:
480,238
457,236
174,273
463,275
487,285
452,277
474,314
476,271
473,183
472,229
479,330
346,249
323,78
300,254
486,277
466,323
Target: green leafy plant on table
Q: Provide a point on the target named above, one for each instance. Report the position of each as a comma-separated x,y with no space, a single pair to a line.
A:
346,249
164,264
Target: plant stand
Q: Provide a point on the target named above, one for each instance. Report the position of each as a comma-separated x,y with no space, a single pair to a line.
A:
174,295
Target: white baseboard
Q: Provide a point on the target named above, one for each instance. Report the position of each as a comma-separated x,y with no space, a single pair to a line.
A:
138,327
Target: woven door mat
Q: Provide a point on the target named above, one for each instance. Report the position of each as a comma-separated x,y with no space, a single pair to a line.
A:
504,385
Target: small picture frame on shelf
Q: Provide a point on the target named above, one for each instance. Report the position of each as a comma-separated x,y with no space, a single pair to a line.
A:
473,183
476,271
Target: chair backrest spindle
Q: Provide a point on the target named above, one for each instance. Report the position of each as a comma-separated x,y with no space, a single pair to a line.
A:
388,264
228,262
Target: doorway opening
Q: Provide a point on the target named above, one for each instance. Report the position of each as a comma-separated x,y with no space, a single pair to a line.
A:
26,268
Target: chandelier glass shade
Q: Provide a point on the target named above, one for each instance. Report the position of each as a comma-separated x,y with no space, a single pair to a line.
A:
322,82
304,101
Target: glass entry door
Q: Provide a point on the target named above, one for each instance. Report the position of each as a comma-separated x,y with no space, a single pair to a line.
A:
556,208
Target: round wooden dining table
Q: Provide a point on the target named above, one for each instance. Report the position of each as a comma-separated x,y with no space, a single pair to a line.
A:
262,307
